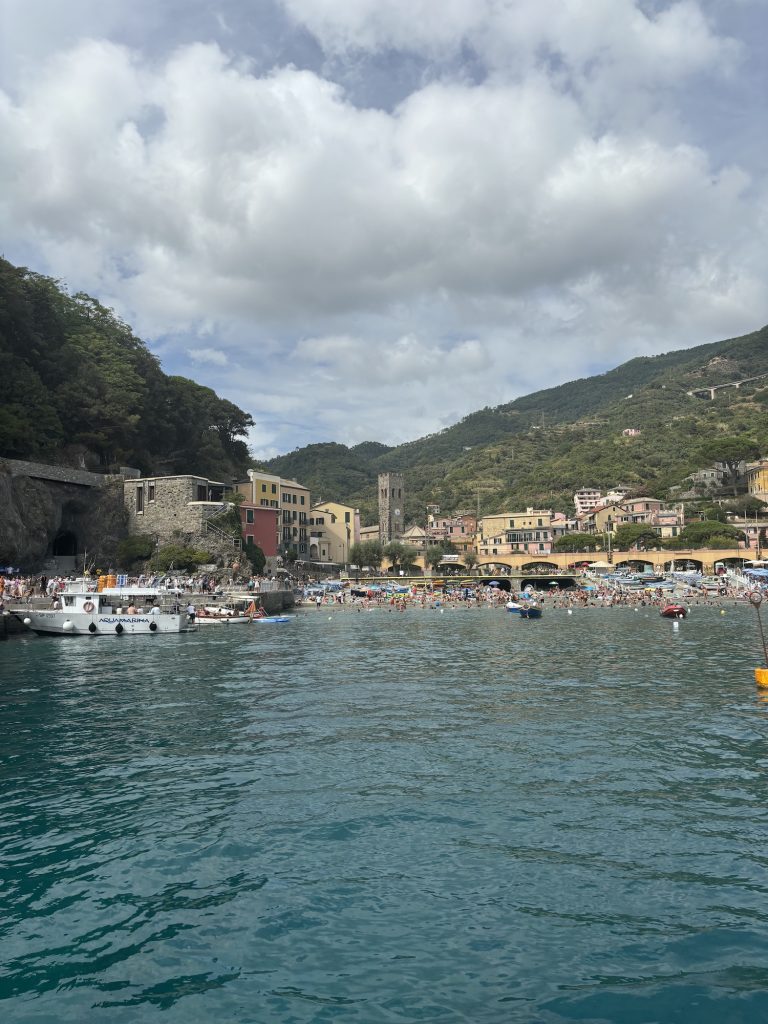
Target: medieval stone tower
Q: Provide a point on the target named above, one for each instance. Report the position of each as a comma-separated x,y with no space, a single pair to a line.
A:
391,498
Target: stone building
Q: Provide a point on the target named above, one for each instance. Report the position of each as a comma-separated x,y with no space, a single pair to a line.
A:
172,507
391,499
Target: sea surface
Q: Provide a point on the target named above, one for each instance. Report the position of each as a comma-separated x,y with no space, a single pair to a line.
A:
373,817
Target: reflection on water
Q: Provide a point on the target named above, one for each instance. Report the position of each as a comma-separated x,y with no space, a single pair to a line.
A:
380,816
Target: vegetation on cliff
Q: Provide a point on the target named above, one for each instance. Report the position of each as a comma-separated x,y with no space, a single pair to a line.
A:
79,387
539,449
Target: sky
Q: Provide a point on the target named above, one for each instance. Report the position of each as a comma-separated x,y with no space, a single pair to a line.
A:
364,219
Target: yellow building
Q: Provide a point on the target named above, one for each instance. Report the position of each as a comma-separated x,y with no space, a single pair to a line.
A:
333,529
757,479
510,532
607,518
293,501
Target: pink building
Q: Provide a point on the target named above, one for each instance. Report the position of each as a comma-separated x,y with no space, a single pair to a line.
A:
261,527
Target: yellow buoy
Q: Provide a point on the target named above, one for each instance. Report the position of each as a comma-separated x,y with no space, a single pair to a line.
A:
761,676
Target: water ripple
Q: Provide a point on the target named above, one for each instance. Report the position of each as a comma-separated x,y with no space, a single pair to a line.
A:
388,817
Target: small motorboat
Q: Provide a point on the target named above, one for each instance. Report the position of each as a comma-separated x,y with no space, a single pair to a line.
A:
674,611
530,611
272,619
221,615
513,606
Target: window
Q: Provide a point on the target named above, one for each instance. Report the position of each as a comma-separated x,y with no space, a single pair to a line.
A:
302,499
202,492
293,499
139,500
150,492
346,517
263,488
249,539
249,515
274,488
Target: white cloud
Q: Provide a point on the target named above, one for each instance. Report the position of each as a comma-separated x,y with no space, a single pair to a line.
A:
334,267
616,36
208,355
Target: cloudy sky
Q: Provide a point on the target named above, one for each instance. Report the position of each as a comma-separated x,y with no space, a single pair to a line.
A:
363,219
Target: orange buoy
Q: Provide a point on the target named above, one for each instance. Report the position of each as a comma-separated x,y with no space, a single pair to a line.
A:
761,676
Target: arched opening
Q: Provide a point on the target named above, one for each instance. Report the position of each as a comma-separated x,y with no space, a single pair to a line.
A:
684,565
64,545
730,563
544,568
499,583
636,565
493,569
547,584
451,569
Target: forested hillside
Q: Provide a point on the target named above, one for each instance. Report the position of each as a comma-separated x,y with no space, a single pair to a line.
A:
540,448
79,388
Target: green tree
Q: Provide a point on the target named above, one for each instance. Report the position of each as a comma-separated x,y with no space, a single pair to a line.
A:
708,534
402,556
434,556
373,553
136,548
639,535
730,451
746,507
179,557
256,557
578,542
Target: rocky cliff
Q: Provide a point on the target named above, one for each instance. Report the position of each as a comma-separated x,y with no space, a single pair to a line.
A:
39,517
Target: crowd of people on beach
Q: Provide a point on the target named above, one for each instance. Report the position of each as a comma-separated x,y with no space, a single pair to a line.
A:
591,592
497,598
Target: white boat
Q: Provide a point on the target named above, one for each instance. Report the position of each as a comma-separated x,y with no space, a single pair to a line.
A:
221,615
114,611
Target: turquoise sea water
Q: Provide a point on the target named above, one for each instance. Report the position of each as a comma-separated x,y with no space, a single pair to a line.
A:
384,817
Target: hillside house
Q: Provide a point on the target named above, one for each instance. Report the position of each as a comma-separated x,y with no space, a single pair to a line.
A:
172,507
